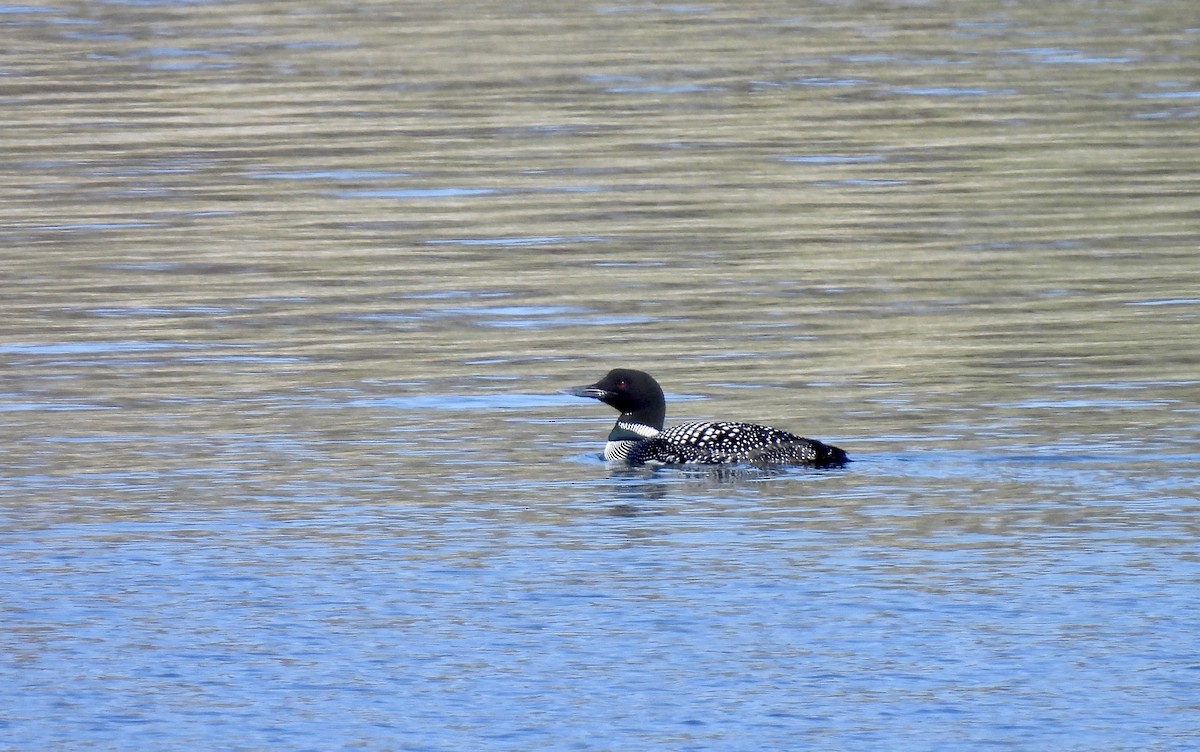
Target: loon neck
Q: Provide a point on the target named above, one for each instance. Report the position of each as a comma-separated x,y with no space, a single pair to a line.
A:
630,428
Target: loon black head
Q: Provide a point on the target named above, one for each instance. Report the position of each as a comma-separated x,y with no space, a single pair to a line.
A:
635,393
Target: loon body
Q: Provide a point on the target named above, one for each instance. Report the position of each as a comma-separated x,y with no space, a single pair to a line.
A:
639,438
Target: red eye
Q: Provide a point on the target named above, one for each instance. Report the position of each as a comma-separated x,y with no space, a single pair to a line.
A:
622,384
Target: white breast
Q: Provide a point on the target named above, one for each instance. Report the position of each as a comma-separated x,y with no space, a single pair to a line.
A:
618,451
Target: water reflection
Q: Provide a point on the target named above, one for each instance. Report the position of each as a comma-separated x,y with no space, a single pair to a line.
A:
288,297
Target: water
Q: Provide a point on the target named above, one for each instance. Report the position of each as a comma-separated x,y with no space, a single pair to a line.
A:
290,293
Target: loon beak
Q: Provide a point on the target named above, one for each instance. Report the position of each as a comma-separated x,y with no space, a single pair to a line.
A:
587,391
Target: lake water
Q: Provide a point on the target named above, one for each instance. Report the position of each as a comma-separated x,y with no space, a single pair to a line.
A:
290,291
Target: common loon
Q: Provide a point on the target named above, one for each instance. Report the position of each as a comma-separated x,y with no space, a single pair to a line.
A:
638,437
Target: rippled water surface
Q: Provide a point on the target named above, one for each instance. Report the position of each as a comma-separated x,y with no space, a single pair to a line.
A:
290,291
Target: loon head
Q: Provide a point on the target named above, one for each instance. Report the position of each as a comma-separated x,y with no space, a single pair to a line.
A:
635,394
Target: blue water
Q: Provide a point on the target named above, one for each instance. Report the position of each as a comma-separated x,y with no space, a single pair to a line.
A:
289,299
918,599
